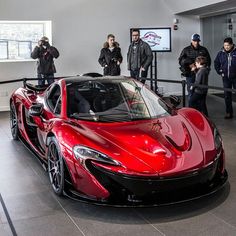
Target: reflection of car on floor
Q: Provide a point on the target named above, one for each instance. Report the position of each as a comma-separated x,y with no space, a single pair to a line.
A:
111,140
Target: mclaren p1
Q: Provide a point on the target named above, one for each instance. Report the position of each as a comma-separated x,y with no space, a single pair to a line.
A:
113,141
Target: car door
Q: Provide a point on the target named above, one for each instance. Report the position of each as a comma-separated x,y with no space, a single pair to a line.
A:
51,111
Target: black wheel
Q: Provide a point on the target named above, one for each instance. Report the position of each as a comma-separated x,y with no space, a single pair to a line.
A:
14,122
55,167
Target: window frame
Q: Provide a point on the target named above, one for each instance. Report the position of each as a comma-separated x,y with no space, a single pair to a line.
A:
47,31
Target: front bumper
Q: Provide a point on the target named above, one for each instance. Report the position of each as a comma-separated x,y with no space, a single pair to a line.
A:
129,191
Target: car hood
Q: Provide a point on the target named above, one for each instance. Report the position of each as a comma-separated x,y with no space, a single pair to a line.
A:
164,146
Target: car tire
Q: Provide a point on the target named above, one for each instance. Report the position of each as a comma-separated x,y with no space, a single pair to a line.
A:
14,122
55,167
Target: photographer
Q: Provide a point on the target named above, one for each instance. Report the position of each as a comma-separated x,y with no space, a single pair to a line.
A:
45,53
110,57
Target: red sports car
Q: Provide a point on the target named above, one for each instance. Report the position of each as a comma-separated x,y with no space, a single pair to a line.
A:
111,140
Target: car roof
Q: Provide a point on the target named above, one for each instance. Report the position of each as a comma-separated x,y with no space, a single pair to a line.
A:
77,79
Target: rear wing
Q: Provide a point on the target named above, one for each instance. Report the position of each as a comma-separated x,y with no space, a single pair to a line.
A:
33,87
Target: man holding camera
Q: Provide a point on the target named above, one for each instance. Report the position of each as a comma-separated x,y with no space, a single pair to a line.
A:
45,53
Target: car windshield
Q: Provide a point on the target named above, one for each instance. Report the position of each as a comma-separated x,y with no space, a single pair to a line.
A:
113,101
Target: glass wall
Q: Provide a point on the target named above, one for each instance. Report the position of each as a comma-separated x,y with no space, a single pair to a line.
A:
214,30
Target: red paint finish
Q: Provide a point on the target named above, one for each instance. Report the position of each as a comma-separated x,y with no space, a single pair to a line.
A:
168,146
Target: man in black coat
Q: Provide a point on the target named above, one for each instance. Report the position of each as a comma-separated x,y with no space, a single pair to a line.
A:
110,57
187,60
45,53
139,56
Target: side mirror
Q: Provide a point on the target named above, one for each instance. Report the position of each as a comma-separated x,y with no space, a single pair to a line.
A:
36,110
174,100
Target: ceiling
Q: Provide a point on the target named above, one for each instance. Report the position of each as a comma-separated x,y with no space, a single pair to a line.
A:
213,9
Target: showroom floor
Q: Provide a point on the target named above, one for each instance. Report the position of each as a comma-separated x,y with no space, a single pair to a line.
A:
34,210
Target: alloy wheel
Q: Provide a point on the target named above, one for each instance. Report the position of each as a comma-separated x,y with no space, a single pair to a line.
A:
13,122
55,168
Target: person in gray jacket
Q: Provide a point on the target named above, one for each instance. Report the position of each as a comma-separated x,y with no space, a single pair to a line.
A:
139,56
198,97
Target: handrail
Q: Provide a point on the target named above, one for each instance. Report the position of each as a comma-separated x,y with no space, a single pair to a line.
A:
182,82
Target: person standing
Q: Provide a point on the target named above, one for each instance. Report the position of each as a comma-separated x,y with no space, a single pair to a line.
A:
139,56
45,53
225,66
187,59
110,57
198,97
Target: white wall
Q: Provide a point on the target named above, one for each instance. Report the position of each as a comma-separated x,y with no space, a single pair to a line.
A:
80,28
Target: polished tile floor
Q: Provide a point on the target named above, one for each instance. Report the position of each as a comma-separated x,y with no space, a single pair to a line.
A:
34,210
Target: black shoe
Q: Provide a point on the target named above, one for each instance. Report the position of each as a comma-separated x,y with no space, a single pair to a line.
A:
228,116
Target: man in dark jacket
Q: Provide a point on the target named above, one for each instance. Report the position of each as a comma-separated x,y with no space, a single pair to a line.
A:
225,66
45,53
188,57
139,56
110,57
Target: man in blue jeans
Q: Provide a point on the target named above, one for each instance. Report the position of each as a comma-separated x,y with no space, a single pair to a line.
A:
187,60
45,53
139,57
225,66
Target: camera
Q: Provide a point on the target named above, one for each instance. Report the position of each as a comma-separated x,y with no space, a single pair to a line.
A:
44,43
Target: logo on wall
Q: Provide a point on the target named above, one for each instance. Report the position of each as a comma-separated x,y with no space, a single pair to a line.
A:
151,38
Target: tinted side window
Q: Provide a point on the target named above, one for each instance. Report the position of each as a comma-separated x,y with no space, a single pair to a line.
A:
54,99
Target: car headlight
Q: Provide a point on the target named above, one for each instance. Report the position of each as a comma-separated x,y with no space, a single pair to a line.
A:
217,139
83,153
